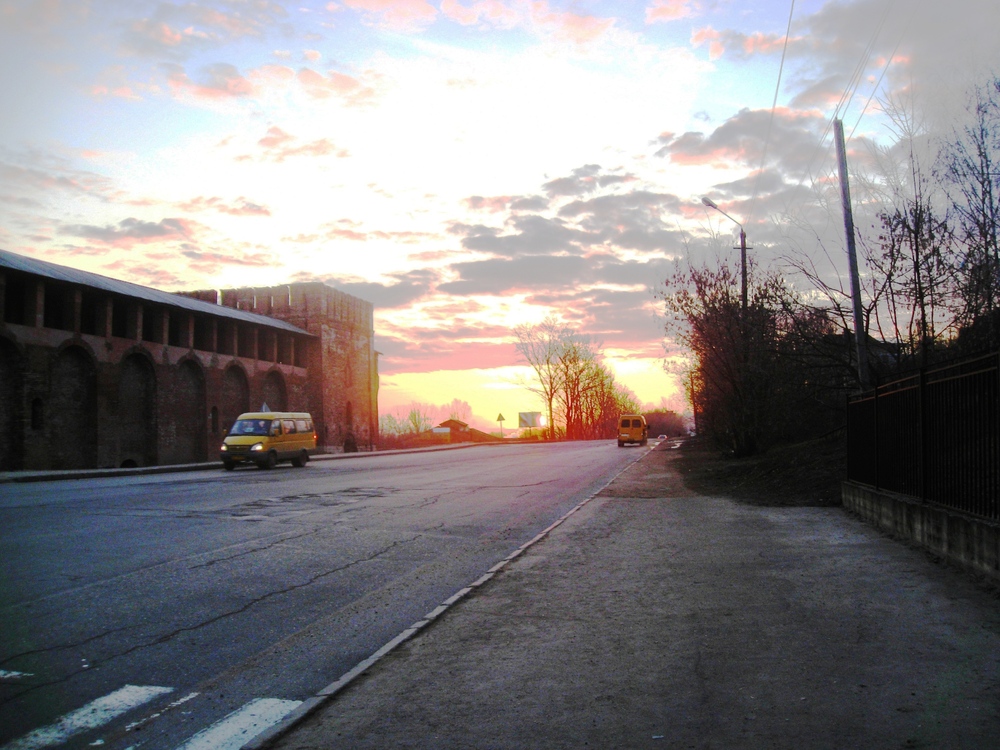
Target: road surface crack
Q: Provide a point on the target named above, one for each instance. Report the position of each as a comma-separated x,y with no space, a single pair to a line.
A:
254,550
94,663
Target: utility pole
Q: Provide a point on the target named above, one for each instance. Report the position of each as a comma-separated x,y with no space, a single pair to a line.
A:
852,256
743,251
743,267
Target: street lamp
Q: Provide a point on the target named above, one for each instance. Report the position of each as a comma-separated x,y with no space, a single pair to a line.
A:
743,249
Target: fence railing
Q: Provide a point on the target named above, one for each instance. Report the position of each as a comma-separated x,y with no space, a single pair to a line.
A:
934,435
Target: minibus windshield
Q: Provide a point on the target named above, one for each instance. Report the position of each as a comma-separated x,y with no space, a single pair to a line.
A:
251,427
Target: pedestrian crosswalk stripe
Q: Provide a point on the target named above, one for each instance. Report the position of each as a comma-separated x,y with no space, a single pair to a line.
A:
242,725
5,675
95,714
132,726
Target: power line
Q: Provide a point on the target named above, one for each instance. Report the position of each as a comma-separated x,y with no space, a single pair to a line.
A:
850,89
770,121
878,83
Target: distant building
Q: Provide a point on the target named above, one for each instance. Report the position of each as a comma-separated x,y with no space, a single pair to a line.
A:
456,431
97,372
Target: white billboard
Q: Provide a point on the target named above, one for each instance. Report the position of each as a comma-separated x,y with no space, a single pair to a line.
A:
529,419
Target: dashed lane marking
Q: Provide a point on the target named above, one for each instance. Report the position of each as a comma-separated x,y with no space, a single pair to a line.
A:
241,725
6,675
95,714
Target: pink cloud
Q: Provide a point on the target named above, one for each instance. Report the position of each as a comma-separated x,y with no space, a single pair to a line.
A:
221,81
270,73
492,12
662,11
401,15
131,231
312,55
433,350
113,82
344,229
120,92
239,207
432,256
234,25
157,33
459,13
570,26
763,43
45,177
275,137
713,37
176,30
211,263
301,238
339,84
494,205
279,145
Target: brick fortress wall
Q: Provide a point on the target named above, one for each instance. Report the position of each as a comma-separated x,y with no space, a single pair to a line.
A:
342,388
98,373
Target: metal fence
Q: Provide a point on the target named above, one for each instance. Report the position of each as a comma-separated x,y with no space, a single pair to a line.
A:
934,436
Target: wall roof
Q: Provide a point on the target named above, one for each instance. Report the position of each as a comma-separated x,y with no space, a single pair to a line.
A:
55,272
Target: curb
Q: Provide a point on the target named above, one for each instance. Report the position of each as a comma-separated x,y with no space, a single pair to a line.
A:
57,475
14,477
266,738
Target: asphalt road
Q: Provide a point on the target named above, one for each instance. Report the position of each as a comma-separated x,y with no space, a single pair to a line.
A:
659,618
142,611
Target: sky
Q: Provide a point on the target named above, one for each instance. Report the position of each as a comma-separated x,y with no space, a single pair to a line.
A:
466,166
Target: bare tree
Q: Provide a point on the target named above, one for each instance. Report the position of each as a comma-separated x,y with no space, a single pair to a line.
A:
594,401
577,388
754,377
915,239
970,169
580,374
418,419
540,346
458,409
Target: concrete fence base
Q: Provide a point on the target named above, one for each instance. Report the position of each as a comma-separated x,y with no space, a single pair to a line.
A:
969,542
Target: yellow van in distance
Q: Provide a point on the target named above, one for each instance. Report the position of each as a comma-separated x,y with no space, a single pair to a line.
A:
267,437
632,428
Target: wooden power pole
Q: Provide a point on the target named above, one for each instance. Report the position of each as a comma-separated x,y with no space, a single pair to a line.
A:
852,257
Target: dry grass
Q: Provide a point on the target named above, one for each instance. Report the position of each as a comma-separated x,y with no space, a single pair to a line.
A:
803,474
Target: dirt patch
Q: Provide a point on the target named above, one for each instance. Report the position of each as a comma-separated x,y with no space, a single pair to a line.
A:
655,475
803,474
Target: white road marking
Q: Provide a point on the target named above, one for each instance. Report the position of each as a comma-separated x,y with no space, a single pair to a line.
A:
95,714
136,724
242,725
5,675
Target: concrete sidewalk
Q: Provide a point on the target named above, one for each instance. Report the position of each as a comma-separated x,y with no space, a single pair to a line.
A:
657,618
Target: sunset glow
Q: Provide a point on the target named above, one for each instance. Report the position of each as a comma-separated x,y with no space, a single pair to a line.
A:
465,166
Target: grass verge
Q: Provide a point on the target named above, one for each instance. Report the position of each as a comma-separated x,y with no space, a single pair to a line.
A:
803,474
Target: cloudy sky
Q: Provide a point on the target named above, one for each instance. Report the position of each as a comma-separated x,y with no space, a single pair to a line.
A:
465,165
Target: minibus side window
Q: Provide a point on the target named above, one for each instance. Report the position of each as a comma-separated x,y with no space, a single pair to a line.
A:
276,427
288,425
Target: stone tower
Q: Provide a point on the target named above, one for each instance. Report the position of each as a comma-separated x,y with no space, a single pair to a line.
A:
344,396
